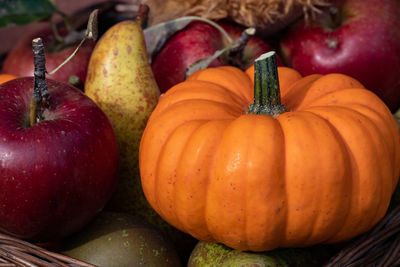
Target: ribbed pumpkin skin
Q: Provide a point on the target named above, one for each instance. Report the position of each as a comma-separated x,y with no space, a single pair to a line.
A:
322,172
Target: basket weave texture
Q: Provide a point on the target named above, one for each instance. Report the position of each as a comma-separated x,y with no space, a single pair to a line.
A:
380,247
19,253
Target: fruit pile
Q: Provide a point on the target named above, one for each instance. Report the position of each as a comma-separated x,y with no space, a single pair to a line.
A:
198,142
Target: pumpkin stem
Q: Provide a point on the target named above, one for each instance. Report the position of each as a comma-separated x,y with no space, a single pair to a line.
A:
267,99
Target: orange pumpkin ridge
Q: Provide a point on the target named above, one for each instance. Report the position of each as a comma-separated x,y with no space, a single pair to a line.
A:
322,170
6,77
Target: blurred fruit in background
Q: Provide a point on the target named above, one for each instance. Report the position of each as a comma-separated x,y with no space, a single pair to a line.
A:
200,40
359,38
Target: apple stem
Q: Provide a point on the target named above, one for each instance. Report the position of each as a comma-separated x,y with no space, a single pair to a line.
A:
41,94
91,33
235,54
267,99
69,58
240,43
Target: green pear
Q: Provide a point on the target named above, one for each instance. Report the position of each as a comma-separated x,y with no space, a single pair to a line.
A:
215,254
121,82
118,240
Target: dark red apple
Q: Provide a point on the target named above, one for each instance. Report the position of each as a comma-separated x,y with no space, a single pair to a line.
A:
57,174
197,41
360,38
19,59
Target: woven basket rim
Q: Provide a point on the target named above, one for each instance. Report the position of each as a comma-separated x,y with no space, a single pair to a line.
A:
378,247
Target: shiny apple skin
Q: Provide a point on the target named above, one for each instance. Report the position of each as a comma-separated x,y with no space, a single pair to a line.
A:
57,175
365,46
197,41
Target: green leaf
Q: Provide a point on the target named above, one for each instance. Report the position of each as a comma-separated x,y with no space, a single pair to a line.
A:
20,12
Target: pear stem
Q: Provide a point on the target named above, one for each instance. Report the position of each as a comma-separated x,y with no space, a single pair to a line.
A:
267,99
142,14
41,94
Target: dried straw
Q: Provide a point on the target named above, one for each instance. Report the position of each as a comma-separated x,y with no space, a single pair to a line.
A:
268,15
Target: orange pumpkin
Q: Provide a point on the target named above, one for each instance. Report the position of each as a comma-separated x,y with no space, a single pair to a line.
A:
320,168
6,77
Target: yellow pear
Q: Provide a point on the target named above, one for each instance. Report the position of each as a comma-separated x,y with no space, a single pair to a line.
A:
121,82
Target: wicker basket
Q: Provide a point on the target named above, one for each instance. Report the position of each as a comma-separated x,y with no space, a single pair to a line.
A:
380,247
15,252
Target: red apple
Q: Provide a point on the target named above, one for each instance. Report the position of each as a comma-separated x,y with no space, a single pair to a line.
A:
55,175
360,38
19,59
197,41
